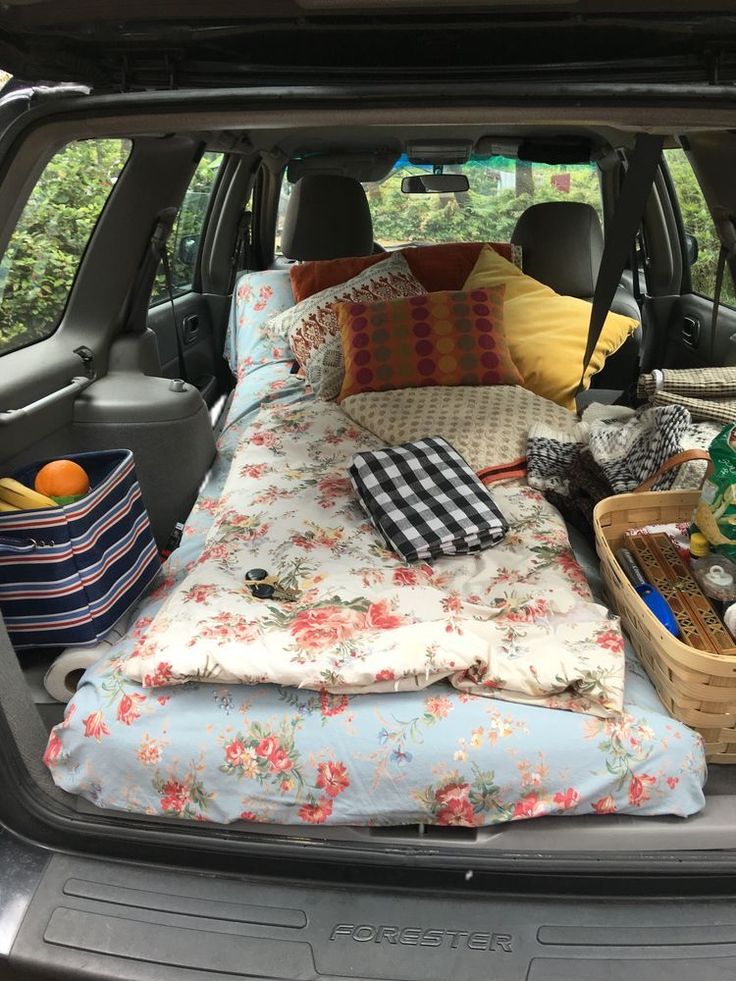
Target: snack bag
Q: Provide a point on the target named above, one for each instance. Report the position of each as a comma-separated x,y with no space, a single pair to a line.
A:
715,515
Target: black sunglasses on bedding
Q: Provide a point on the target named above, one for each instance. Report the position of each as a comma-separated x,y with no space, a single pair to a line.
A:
264,586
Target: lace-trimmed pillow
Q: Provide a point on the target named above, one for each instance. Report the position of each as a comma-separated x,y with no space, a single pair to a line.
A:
326,369
312,324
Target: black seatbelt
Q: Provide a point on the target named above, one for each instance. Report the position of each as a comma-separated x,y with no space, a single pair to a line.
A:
637,185
723,256
158,242
241,252
727,235
635,283
140,295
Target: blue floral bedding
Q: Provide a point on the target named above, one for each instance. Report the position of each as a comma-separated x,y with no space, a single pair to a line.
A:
278,755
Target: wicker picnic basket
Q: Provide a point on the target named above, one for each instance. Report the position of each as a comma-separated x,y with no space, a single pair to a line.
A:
697,687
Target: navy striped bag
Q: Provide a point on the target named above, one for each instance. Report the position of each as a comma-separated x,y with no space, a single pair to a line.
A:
67,574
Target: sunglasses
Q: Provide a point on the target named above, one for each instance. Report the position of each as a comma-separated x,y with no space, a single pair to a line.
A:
264,586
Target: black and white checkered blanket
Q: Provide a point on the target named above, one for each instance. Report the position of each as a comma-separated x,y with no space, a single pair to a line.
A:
425,500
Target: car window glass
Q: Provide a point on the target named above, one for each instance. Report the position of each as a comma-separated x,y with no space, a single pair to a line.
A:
43,255
500,190
186,234
697,221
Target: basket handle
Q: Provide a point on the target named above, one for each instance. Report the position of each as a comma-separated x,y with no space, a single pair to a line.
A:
676,460
10,544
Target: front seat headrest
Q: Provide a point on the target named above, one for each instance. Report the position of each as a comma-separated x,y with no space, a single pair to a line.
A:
327,217
562,244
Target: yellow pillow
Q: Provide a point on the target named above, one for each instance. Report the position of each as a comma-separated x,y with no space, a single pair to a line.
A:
546,332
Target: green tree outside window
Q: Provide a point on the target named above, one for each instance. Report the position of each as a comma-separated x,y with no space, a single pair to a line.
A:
697,221
184,240
41,261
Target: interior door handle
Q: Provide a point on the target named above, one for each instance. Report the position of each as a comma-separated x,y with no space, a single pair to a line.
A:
190,328
690,332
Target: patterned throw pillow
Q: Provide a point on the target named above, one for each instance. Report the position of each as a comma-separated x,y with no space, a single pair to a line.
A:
310,324
450,338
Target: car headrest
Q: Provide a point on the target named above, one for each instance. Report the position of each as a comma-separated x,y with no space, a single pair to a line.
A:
327,217
562,244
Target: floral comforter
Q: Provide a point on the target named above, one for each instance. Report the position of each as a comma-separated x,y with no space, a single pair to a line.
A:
223,752
516,621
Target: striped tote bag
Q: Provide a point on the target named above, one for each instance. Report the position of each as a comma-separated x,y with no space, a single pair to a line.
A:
67,574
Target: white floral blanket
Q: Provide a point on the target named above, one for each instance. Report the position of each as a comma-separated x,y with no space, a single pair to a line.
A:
514,622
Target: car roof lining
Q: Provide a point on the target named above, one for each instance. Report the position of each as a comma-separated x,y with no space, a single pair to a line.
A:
163,45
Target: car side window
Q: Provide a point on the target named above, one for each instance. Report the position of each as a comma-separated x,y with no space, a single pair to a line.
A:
186,234
699,228
41,261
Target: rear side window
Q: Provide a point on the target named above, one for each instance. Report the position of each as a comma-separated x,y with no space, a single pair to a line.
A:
43,255
186,234
697,221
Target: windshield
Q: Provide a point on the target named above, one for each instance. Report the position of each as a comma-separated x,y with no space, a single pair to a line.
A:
501,189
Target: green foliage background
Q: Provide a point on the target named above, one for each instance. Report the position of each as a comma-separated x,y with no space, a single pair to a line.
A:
189,224
487,212
697,221
39,266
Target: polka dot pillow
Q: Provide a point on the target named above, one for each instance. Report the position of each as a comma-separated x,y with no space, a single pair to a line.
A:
449,338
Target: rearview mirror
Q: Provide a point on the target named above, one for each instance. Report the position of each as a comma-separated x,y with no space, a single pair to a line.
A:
435,184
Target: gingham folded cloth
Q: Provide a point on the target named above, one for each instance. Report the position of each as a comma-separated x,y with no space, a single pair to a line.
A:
425,500
696,382
709,394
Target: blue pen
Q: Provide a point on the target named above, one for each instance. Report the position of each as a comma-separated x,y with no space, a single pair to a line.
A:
654,600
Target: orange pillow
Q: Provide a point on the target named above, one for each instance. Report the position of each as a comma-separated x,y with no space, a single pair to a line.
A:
437,267
447,338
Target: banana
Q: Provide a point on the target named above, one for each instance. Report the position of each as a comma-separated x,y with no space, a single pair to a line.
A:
707,523
19,496
7,507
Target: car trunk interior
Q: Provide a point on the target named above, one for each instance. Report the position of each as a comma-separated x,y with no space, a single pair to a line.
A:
131,402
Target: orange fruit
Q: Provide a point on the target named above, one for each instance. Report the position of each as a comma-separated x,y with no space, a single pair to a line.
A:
62,478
